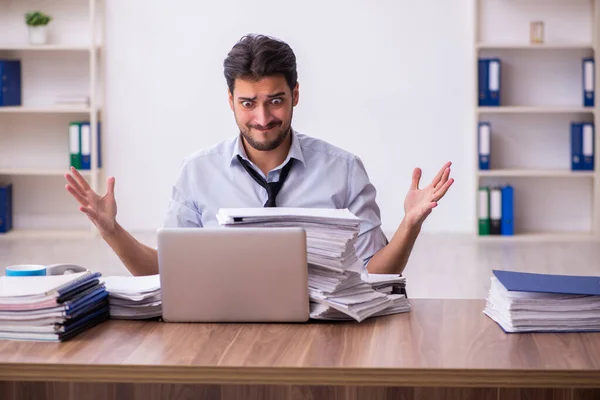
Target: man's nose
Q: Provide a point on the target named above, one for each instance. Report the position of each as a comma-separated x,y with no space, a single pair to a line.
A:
263,116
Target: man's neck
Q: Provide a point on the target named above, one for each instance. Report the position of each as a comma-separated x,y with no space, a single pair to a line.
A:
267,160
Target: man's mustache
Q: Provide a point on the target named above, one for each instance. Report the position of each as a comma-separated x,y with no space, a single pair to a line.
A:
270,125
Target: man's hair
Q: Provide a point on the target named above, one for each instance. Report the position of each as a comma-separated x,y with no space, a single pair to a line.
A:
257,56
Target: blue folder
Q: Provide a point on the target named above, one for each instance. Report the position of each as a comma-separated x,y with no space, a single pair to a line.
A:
10,83
507,220
547,283
588,82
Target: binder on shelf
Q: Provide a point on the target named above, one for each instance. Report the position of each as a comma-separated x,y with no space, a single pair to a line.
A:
86,146
589,81
489,81
6,222
484,142
587,151
484,211
495,210
10,83
507,224
582,146
75,144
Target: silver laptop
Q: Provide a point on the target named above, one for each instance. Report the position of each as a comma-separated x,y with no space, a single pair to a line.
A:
233,274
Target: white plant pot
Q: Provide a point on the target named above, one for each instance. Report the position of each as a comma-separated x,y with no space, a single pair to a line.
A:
38,34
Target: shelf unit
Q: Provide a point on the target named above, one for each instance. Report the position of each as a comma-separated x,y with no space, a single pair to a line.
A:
70,63
530,121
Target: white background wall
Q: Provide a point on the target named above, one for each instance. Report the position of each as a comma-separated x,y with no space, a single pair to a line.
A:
390,81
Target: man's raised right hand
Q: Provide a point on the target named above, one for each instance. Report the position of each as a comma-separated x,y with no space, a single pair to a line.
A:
102,211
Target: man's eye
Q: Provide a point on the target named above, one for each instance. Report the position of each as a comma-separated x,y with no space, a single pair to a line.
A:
276,102
246,104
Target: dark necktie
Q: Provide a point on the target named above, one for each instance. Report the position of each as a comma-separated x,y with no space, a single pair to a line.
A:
273,188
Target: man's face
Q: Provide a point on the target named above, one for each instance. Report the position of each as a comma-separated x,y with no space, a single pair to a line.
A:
263,110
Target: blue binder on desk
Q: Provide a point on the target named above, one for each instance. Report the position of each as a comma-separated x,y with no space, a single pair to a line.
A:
489,82
589,80
10,83
547,283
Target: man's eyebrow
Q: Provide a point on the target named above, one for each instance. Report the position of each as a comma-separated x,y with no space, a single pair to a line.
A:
269,96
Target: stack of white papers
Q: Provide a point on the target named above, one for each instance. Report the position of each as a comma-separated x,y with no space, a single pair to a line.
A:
526,302
72,100
334,271
51,308
134,297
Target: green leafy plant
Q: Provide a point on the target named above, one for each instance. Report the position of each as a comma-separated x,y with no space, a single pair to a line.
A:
37,18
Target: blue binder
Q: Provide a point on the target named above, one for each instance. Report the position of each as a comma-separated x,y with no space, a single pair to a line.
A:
489,82
507,224
10,83
484,137
576,146
588,139
589,82
6,223
85,146
546,283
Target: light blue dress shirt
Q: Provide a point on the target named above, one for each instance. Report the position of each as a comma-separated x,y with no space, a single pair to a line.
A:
322,176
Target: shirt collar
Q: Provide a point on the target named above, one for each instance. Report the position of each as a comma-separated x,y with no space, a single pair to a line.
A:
295,150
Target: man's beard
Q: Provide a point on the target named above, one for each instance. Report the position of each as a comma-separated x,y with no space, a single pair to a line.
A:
285,129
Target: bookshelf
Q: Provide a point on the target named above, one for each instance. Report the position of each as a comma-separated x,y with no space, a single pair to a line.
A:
541,94
34,137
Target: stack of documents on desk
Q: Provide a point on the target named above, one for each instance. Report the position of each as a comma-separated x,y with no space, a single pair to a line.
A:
334,271
526,302
134,297
51,308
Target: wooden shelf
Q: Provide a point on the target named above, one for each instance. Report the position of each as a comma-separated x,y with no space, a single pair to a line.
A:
540,237
46,47
41,172
527,46
46,110
535,110
536,173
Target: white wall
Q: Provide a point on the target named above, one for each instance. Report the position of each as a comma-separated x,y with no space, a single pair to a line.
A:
390,81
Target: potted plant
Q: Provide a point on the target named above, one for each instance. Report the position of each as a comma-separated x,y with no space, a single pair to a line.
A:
37,22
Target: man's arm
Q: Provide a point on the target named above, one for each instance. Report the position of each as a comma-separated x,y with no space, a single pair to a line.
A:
392,258
419,203
137,257
102,211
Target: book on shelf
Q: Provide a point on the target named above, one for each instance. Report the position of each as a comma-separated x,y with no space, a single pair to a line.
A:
496,210
489,78
80,143
10,83
582,146
6,219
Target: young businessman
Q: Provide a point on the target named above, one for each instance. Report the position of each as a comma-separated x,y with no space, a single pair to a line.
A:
268,164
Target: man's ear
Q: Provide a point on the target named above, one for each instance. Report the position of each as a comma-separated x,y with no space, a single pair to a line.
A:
230,95
296,94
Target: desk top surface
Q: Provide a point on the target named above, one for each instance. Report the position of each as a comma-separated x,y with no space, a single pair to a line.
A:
441,341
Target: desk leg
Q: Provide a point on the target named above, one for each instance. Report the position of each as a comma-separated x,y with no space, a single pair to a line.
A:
109,391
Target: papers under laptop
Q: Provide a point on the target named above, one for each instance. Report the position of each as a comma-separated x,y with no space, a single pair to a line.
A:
134,297
336,288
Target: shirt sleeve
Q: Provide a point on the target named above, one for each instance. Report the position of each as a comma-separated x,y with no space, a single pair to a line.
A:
182,211
361,202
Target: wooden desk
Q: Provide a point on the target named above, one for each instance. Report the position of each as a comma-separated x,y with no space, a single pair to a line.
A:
442,349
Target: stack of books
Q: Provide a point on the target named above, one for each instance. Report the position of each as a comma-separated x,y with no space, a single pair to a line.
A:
527,302
51,308
335,274
134,297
